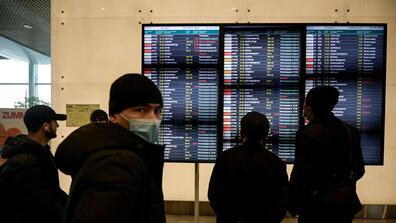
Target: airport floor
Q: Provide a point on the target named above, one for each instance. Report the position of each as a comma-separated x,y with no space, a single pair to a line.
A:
211,219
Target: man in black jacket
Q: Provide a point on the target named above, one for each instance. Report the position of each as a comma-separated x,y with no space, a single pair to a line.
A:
248,182
116,167
29,182
328,163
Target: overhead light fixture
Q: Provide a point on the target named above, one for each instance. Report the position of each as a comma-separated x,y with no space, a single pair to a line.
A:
28,26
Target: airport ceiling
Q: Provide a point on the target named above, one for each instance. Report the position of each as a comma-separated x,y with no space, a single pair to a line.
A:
27,22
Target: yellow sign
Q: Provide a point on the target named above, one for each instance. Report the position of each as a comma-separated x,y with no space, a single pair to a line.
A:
78,114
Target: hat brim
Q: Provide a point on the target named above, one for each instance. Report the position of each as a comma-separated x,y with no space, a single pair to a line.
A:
60,117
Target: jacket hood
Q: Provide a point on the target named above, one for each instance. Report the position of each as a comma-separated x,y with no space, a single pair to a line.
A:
20,144
89,139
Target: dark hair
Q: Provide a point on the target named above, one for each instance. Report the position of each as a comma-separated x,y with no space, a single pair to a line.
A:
255,126
322,99
99,115
34,128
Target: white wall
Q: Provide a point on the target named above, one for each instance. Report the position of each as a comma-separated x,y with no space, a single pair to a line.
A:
101,40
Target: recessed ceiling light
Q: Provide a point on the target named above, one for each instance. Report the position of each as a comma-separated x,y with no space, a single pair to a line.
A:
28,26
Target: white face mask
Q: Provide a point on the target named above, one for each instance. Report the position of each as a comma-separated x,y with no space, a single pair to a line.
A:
148,129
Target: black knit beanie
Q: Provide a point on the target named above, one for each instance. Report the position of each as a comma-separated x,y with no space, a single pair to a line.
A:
131,90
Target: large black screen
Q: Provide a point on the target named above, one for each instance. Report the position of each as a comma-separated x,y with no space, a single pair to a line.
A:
212,75
262,73
351,58
183,62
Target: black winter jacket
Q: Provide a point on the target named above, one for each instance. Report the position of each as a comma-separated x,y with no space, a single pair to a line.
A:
248,184
323,159
29,183
116,176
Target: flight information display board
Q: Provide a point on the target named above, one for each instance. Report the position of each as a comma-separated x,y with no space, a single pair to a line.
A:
211,75
351,58
261,73
183,62
345,50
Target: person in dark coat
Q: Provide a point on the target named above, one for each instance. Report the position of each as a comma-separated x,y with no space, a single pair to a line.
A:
116,167
248,182
328,163
29,183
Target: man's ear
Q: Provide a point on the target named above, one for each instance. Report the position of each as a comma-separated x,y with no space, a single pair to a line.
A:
46,126
309,109
118,119
113,118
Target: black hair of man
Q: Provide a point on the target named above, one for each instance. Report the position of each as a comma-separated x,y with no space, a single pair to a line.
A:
254,126
99,116
322,99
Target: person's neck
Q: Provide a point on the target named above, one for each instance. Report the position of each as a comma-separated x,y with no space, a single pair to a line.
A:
38,137
253,142
321,116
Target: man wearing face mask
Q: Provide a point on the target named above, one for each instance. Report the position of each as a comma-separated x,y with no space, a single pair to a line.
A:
29,182
328,163
116,168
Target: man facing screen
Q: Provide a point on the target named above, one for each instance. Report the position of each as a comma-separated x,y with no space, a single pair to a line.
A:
328,163
249,183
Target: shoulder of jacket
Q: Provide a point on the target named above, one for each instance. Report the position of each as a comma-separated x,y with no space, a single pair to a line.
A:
274,158
311,130
112,165
23,159
120,156
226,153
21,163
